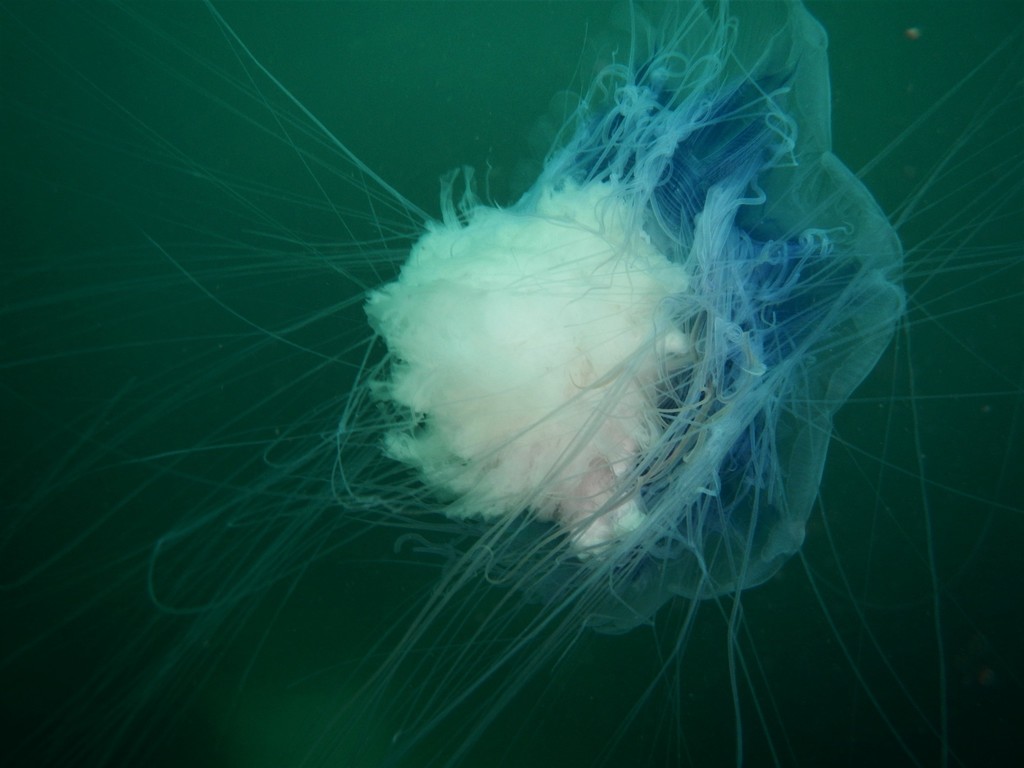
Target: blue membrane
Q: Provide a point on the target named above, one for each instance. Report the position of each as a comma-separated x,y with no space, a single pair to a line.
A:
655,438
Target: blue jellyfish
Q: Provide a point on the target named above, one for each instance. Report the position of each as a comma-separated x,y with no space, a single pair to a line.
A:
627,377
667,446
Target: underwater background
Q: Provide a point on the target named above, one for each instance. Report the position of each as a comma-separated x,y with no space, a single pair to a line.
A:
178,294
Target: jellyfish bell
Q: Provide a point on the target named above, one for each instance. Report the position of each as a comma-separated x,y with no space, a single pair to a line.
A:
230,541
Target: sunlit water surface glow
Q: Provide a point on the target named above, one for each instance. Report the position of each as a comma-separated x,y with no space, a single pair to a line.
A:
184,270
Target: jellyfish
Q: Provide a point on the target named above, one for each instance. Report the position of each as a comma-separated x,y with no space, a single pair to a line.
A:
647,347
653,438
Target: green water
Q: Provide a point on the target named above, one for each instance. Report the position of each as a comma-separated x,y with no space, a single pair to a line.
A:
180,303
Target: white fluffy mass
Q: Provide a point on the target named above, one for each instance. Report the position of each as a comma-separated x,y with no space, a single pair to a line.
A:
526,347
